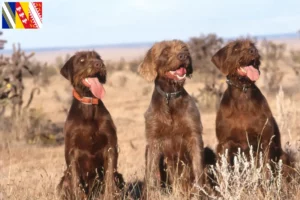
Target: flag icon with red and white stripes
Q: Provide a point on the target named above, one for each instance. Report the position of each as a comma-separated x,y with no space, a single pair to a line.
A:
22,15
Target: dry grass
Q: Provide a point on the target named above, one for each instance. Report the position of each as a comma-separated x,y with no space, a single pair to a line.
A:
252,177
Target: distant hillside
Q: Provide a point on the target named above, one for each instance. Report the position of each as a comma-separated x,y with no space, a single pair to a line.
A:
137,45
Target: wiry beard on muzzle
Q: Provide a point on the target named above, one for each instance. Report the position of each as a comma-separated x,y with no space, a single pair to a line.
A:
89,72
247,60
175,83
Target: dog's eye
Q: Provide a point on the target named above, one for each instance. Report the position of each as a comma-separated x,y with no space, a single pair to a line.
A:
165,52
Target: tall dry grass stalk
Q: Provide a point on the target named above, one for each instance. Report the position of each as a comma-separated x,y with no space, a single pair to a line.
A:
286,113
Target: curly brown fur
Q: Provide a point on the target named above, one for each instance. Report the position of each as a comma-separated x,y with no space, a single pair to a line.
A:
91,149
244,117
173,128
164,54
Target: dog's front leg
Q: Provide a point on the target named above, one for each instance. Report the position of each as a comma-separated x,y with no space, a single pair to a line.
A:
79,188
110,186
196,151
64,188
152,176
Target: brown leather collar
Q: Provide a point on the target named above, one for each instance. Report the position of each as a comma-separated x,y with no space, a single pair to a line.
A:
85,100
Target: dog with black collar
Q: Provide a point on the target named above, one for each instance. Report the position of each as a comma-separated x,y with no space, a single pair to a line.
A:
244,117
174,151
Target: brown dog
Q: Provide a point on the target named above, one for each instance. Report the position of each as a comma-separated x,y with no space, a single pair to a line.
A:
91,150
173,124
244,116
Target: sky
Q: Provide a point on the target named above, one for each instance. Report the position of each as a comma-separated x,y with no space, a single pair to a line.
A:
75,23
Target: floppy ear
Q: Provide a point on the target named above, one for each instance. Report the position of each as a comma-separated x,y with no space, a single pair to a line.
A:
147,68
219,60
67,69
189,69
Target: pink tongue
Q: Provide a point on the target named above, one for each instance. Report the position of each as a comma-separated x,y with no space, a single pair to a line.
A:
96,88
252,73
181,71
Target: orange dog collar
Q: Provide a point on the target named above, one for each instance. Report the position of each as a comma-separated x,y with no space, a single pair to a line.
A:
85,100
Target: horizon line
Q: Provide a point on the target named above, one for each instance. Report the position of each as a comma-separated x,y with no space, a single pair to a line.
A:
141,44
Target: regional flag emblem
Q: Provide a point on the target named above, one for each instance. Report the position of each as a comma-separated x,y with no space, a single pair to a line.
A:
22,15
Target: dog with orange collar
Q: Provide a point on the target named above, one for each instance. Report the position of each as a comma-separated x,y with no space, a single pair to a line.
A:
91,148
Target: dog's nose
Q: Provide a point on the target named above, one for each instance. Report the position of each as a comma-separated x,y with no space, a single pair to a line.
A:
98,64
182,56
252,50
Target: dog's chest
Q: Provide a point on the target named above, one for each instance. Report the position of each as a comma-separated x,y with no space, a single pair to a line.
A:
173,129
90,141
88,136
89,148
174,138
89,161
246,123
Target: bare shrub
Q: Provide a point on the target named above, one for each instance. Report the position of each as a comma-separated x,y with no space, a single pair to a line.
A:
11,78
294,61
43,72
23,124
210,96
60,61
121,64
112,66
32,126
287,113
202,49
133,65
272,54
287,118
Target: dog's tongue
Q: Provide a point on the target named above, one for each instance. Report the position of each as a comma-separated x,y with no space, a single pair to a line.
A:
181,71
95,87
252,73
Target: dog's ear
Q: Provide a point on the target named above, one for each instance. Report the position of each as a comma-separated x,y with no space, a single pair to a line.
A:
189,69
147,68
219,60
67,69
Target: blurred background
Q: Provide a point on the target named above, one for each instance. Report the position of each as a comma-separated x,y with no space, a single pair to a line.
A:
35,98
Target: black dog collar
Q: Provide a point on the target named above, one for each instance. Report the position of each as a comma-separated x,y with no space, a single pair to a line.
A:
244,87
168,96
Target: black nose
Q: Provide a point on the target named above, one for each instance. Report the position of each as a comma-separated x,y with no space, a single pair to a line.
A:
182,56
252,50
